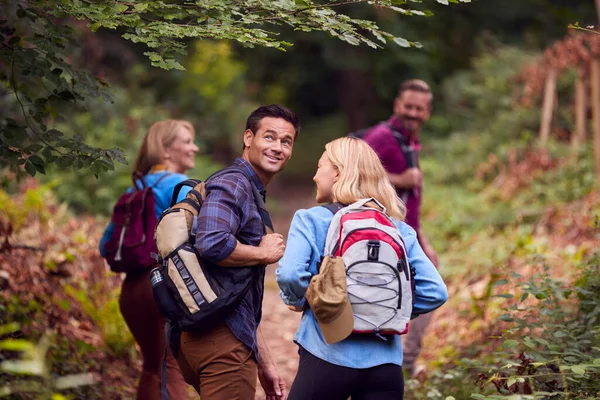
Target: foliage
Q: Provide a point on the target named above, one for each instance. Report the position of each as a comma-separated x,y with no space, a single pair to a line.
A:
39,38
43,86
123,124
485,166
46,256
495,202
552,345
102,305
33,363
214,91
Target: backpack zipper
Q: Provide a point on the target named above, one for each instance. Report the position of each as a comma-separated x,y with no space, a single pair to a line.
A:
336,248
121,238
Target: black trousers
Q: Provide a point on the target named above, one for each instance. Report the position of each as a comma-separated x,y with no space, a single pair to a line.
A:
319,380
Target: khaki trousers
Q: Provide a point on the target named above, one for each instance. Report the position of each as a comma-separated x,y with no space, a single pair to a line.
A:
218,365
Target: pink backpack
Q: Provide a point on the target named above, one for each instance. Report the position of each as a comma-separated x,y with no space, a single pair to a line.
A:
131,244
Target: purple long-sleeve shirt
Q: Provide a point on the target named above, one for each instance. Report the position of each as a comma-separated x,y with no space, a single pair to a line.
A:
382,140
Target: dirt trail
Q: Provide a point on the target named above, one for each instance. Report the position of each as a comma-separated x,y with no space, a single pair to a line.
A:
279,323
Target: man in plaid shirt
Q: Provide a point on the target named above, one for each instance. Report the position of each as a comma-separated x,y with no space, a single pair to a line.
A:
223,362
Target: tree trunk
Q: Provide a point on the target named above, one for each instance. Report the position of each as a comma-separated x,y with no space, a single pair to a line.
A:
580,133
595,79
548,107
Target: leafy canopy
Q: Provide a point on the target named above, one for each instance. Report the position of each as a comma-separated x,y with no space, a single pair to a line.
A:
40,86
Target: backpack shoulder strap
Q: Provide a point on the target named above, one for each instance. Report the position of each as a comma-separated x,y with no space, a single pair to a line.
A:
408,151
334,207
258,199
260,203
188,182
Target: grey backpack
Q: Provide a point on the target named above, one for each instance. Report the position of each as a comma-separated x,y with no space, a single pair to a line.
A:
378,274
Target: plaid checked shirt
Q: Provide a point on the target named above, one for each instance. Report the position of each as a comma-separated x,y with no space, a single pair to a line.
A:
228,214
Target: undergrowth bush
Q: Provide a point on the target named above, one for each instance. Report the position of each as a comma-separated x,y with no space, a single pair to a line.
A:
551,348
102,305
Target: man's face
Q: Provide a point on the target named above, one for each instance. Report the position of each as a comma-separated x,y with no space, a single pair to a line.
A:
413,109
269,148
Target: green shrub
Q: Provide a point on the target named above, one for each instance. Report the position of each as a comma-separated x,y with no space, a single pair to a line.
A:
552,345
102,305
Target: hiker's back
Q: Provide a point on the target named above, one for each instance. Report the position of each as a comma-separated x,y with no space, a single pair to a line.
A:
166,153
128,242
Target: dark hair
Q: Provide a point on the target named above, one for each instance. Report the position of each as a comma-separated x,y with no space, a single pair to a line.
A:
274,111
415,85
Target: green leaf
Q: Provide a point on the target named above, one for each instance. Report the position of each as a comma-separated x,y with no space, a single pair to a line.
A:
509,344
30,168
9,328
141,7
511,381
401,42
578,369
504,295
23,367
119,8
524,297
506,318
16,345
34,148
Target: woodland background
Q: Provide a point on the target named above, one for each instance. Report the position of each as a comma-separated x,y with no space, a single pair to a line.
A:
514,219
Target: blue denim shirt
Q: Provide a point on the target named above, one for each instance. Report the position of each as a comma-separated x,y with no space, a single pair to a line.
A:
305,245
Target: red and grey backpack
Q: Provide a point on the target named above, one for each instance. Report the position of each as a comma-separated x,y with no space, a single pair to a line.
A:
378,274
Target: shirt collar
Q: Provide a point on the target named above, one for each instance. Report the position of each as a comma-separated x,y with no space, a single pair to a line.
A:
245,165
157,168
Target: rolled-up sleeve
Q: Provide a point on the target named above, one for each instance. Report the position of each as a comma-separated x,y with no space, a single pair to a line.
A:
430,289
298,263
221,215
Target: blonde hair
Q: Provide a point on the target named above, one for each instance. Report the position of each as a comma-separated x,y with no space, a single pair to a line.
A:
160,136
361,175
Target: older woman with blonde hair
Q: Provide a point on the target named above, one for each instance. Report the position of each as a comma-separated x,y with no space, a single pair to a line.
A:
167,153
360,366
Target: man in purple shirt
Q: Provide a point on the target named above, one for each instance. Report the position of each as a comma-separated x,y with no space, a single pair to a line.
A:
412,108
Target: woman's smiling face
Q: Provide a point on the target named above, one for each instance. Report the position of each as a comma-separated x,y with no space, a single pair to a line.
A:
327,174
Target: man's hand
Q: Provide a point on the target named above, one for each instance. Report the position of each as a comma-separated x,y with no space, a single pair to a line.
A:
272,247
296,308
273,384
409,179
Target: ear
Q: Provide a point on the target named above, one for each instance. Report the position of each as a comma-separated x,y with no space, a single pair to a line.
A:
396,107
248,136
337,176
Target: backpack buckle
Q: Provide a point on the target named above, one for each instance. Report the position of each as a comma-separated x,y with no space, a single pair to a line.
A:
157,257
373,250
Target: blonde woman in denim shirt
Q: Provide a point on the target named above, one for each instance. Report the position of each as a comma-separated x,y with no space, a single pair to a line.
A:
360,366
